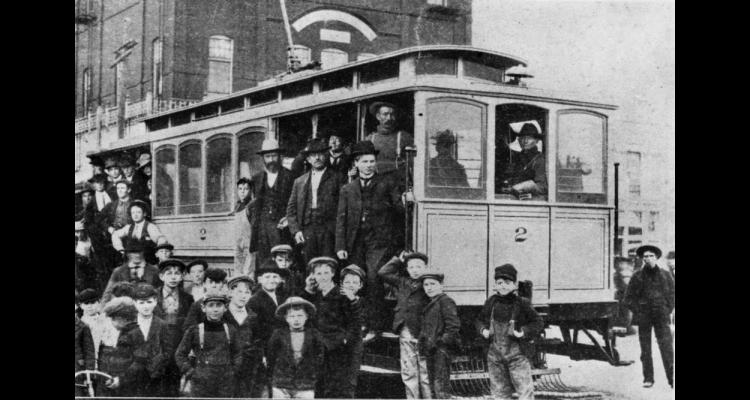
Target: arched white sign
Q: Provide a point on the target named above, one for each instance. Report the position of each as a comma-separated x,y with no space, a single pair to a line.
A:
334,15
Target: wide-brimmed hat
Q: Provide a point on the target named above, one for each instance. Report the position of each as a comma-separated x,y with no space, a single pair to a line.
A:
172,262
364,147
375,107
240,278
143,159
639,251
269,146
527,128
438,276
295,301
316,146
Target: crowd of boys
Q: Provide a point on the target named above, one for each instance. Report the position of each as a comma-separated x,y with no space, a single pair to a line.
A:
308,291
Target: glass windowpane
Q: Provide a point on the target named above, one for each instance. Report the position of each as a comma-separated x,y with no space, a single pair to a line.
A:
166,175
190,179
219,179
580,157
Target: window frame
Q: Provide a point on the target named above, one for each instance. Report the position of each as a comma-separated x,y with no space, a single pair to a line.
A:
232,172
157,84
236,154
202,183
155,180
229,61
583,198
456,193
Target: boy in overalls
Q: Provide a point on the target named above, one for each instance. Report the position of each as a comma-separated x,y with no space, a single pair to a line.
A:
509,322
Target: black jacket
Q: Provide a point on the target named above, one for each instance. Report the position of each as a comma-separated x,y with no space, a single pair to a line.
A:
283,183
286,373
337,318
328,199
511,306
264,307
440,325
84,346
410,297
636,296
215,351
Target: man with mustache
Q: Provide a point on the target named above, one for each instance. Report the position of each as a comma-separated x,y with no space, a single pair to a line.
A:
273,187
389,141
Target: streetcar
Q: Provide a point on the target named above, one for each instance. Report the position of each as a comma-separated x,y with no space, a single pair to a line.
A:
561,241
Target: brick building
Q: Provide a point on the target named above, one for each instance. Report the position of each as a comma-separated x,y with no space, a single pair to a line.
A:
189,49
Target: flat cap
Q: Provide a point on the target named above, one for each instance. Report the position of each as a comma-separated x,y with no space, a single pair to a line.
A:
355,270
415,254
144,291
281,248
438,276
172,262
240,278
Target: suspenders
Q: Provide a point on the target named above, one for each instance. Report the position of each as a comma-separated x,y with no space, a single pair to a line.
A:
202,333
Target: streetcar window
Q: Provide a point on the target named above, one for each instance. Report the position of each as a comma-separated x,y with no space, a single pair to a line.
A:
475,69
296,89
249,162
581,157
520,152
190,178
219,178
378,71
455,150
165,177
336,80
432,64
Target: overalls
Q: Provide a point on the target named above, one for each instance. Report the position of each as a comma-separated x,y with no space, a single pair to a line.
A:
509,368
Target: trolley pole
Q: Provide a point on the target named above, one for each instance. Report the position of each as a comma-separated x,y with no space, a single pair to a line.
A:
617,206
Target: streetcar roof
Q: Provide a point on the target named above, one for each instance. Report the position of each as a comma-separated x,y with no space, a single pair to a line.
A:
489,58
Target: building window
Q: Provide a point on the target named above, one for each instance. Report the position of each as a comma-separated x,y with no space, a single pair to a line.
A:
330,58
219,178
456,137
86,90
156,69
633,172
190,178
249,162
220,55
653,217
581,163
165,177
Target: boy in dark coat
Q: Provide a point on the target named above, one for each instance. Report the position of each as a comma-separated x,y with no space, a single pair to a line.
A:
339,321
154,342
510,322
217,349
352,279
407,322
172,306
84,347
245,322
295,353
117,355
292,276
439,336
264,303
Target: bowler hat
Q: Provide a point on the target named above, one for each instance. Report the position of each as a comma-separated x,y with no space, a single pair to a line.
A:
172,262
438,276
88,296
507,271
143,159
364,147
316,146
268,267
240,278
355,270
165,245
134,246
639,251
144,291
96,161
415,254
295,301
323,260
269,146
281,248
98,178
375,107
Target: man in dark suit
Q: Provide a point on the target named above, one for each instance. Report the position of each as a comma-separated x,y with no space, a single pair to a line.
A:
312,207
338,159
134,270
369,213
172,306
272,190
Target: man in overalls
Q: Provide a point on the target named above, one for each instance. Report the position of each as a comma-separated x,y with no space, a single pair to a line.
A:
141,230
509,322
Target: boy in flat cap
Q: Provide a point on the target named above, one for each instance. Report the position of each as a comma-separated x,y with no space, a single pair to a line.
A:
217,350
264,303
295,352
312,207
407,323
172,305
352,280
509,321
154,344
117,356
339,321
292,278
164,251
650,296
135,269
439,336
245,322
